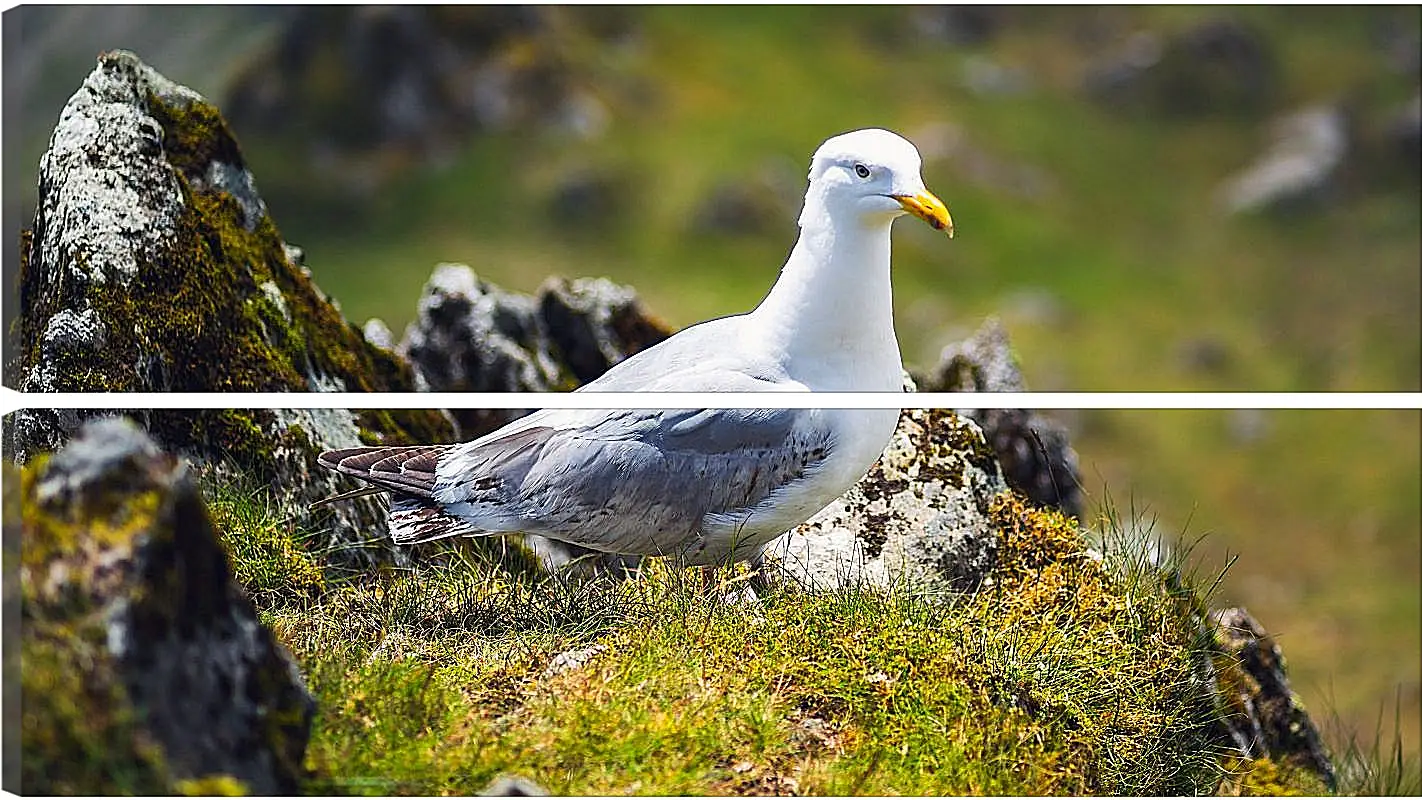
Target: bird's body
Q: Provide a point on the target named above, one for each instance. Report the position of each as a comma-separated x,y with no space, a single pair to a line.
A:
707,485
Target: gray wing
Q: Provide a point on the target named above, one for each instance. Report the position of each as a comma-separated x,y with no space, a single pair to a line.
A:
633,482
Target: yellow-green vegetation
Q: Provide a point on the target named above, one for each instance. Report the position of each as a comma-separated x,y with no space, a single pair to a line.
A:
1074,671
1125,240
1265,778
266,556
78,728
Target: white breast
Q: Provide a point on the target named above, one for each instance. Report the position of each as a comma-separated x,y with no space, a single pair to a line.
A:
863,435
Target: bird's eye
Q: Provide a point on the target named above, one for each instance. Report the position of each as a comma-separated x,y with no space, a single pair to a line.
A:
861,170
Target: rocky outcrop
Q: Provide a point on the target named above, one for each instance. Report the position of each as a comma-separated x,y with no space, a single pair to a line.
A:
145,669
154,266
919,518
1263,716
472,336
1035,452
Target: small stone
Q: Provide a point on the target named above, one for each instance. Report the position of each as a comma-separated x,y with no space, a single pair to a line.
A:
573,659
1299,169
1265,718
513,786
378,333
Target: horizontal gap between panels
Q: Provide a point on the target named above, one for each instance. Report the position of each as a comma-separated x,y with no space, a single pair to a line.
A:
11,400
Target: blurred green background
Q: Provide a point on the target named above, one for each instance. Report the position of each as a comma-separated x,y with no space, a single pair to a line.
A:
1086,155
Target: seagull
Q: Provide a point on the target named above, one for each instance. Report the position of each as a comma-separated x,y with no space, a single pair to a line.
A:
708,486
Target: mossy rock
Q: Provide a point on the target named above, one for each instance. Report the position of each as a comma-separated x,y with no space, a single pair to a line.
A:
144,669
154,266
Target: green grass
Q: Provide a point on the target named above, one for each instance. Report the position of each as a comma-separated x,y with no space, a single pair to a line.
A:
1070,674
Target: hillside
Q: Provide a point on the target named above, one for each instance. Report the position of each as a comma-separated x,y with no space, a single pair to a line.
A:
1093,227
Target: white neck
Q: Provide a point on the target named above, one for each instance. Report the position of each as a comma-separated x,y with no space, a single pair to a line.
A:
831,312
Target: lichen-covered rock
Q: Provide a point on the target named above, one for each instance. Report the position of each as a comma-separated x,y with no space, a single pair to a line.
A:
472,336
153,266
919,517
143,665
1036,454
1263,716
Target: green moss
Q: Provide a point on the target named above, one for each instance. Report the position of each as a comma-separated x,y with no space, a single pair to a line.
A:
66,539
194,134
78,731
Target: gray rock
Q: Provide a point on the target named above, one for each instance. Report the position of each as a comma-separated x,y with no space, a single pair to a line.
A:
1402,138
986,77
573,659
472,336
760,201
593,323
513,786
1036,454
959,25
378,333
1204,354
1299,170
588,199
919,518
127,593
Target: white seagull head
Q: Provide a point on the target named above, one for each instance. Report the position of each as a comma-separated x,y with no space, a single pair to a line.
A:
869,177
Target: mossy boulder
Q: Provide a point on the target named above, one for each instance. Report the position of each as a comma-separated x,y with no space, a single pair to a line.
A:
154,266
144,668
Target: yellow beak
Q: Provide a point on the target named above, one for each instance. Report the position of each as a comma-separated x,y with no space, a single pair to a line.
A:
927,208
